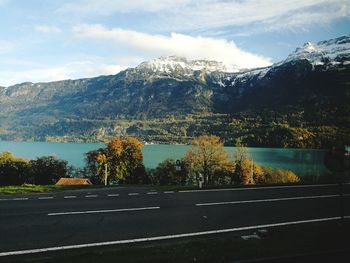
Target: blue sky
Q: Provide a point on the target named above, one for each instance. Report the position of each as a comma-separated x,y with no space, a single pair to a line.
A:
43,40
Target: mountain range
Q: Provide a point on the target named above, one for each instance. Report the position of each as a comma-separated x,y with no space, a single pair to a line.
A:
302,101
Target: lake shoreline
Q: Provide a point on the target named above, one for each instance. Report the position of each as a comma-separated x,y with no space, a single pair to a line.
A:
304,162
163,143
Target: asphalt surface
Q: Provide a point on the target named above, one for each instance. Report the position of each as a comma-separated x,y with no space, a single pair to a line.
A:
70,218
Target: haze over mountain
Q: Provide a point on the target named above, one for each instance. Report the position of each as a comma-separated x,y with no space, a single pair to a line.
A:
303,101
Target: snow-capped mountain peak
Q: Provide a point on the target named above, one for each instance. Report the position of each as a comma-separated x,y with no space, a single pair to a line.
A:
334,51
309,47
173,63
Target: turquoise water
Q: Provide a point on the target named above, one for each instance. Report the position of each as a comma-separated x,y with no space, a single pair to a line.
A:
301,161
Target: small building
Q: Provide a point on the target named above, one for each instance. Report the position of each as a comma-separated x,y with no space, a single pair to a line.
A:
73,181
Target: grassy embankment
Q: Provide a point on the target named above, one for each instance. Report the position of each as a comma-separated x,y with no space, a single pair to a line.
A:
31,188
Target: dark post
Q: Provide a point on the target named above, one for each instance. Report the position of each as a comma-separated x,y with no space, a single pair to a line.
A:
335,160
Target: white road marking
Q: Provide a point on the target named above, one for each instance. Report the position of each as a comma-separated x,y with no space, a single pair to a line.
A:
70,196
169,192
45,197
111,195
104,211
20,199
91,196
267,200
152,193
145,239
249,237
258,188
133,194
5,199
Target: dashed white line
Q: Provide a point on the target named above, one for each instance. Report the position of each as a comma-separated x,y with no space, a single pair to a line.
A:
169,192
133,193
104,211
69,196
45,197
91,196
152,193
267,200
112,195
20,199
145,239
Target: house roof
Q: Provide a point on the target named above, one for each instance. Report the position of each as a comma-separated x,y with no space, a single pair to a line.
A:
73,181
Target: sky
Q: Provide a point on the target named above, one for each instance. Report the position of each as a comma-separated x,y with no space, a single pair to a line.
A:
45,40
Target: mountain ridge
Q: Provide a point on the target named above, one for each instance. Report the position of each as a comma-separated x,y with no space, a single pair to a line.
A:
173,87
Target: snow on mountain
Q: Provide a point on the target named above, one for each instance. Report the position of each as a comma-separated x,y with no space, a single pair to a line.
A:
327,53
174,64
334,51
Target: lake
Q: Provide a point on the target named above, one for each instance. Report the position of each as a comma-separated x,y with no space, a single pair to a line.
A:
301,161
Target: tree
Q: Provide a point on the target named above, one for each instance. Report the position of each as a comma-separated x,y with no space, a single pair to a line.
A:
244,168
244,172
94,165
48,170
166,174
13,170
208,157
124,160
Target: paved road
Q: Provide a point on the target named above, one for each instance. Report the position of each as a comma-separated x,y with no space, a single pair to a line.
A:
74,219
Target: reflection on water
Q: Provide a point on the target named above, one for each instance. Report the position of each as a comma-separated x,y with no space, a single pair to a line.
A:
301,161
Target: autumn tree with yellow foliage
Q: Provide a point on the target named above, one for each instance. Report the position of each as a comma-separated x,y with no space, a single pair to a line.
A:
208,157
124,160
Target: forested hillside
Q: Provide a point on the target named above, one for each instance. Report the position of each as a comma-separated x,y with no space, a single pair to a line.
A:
303,101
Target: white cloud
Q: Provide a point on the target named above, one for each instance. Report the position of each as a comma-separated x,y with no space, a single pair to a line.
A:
187,15
71,70
86,69
47,29
175,44
302,18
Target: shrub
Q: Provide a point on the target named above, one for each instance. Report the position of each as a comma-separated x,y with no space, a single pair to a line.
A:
278,176
166,174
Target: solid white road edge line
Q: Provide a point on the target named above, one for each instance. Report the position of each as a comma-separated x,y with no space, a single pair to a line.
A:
145,239
258,188
103,211
268,200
